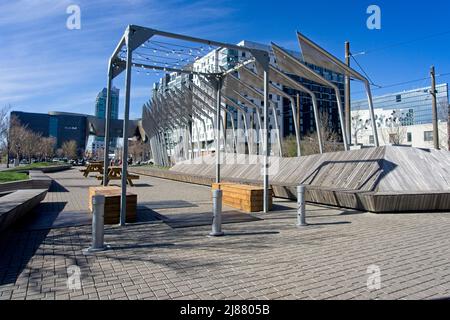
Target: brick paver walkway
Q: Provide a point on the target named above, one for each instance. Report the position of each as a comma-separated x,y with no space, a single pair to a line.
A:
266,259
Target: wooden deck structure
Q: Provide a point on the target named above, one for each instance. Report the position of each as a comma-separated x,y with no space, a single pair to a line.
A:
381,180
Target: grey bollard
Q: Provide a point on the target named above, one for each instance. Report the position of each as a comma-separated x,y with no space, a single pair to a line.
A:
301,212
98,225
217,214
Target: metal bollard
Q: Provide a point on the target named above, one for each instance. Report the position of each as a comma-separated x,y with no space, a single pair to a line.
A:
217,214
98,224
301,212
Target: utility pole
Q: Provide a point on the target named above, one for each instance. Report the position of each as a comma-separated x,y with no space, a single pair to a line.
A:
348,116
434,108
298,112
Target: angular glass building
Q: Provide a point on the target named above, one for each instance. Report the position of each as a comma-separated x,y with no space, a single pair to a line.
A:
100,110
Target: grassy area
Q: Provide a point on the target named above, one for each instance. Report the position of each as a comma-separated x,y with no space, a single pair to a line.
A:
34,166
6,176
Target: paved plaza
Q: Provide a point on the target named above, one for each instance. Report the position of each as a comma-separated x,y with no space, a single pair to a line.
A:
262,257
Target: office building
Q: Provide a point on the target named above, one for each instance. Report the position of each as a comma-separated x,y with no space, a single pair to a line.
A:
100,110
66,126
403,118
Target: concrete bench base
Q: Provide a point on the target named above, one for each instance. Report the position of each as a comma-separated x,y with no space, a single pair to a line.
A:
17,204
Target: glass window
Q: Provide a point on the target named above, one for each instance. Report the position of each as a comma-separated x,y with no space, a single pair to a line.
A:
53,127
371,139
398,98
409,137
428,136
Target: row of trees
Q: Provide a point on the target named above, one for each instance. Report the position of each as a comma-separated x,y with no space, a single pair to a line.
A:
24,143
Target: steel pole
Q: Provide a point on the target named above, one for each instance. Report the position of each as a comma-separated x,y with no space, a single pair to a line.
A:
301,211
348,126
98,216
217,123
217,214
98,225
123,200
107,126
372,114
266,141
341,116
296,124
434,108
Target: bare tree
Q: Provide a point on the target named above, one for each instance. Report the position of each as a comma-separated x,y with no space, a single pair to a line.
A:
16,138
70,149
31,144
47,145
137,150
59,152
4,129
444,116
394,132
358,126
330,137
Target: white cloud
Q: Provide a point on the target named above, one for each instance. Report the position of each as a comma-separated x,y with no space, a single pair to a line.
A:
50,67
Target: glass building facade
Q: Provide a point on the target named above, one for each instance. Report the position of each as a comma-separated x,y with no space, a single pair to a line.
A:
62,126
100,104
413,106
100,110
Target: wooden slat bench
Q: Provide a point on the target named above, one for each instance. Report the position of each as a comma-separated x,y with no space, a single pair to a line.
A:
112,203
243,197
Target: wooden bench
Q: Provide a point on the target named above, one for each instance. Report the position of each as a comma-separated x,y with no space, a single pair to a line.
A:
243,197
112,203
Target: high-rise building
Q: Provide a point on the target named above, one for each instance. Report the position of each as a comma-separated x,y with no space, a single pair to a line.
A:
100,103
100,110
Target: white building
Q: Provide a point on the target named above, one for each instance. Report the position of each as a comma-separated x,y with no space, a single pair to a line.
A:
403,118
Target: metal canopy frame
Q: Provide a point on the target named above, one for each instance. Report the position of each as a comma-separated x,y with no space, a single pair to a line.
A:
313,52
135,36
240,86
292,65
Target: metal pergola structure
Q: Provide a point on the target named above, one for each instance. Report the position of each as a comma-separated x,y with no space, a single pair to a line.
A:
207,97
314,54
136,36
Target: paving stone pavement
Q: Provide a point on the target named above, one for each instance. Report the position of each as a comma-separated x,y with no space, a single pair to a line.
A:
265,259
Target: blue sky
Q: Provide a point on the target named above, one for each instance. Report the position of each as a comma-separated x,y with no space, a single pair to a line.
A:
48,67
